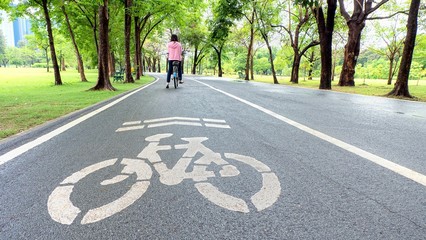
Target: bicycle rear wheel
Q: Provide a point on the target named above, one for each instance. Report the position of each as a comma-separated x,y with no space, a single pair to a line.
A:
175,82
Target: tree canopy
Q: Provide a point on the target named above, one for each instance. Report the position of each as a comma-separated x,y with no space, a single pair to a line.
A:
218,36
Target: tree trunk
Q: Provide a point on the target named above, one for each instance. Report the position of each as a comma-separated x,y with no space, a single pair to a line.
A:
333,71
111,62
56,72
148,64
182,64
154,64
250,47
311,65
103,82
159,64
63,68
198,57
390,75
95,35
271,60
152,27
195,60
219,60
138,55
352,49
356,23
80,65
295,69
325,30
127,32
401,85
47,59
252,67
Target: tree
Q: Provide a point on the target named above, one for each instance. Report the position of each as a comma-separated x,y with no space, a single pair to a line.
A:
419,54
43,6
103,82
198,41
87,17
127,31
141,20
40,40
7,56
356,23
250,17
391,37
325,30
218,38
300,17
152,51
80,65
284,59
147,16
31,51
401,85
4,4
265,13
312,58
15,56
224,13
194,32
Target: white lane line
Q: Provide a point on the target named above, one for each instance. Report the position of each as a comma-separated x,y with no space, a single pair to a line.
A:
132,123
24,148
401,170
174,123
124,129
214,120
216,125
170,119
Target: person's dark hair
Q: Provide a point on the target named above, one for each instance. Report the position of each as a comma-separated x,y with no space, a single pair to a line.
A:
174,38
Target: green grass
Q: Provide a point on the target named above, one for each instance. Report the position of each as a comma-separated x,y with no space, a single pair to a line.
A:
28,96
370,87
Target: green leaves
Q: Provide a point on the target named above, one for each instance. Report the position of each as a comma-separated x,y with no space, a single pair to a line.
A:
4,4
225,12
309,3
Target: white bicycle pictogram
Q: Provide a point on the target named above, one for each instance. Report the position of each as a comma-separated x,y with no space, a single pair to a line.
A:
62,209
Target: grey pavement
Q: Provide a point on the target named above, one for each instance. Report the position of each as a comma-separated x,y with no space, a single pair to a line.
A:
320,145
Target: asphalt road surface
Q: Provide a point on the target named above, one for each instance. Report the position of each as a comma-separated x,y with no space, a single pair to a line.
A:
220,159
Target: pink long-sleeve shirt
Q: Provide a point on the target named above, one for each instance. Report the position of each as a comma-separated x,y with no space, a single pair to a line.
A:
175,51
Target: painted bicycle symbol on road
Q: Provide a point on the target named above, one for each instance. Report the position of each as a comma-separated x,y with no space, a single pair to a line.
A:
192,165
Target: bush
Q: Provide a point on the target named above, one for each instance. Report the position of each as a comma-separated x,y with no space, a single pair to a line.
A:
41,65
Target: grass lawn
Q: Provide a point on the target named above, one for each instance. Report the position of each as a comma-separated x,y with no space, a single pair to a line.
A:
28,96
371,87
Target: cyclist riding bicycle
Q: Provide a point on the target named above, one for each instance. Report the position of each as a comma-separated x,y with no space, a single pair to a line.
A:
175,54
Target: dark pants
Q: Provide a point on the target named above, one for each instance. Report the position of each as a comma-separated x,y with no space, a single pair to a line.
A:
170,72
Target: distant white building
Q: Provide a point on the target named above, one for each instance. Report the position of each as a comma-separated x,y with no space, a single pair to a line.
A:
14,31
7,28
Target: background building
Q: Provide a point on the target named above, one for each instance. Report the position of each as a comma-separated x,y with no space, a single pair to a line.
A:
14,31
21,27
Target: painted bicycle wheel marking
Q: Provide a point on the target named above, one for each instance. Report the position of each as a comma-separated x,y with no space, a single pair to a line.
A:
62,210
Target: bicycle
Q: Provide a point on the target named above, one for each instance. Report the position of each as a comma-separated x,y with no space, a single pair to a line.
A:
175,73
62,210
